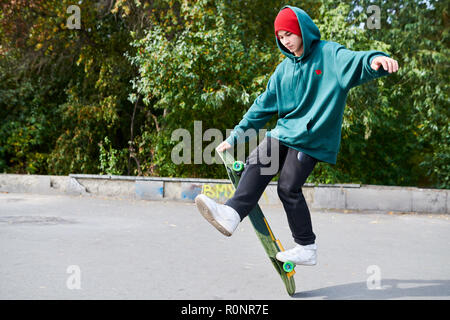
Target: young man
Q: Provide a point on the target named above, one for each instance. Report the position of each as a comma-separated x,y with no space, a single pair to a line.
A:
307,92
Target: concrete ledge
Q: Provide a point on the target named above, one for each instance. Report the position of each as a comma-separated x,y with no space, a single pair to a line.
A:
353,197
37,184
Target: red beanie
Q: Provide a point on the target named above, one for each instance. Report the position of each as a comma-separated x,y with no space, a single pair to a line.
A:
287,20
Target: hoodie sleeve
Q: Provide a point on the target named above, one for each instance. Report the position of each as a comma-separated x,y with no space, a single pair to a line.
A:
353,67
261,111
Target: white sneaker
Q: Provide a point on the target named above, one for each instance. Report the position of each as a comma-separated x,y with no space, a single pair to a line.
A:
221,216
303,255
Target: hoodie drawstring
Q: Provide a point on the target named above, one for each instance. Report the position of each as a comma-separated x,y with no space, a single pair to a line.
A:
294,70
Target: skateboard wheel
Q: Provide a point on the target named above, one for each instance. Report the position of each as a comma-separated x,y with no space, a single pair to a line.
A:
238,166
288,266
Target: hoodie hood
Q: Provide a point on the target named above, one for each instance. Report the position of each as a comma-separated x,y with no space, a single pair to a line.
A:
310,34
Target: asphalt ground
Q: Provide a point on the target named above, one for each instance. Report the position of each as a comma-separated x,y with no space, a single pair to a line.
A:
68,247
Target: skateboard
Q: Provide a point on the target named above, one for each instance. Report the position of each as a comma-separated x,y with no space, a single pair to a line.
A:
271,245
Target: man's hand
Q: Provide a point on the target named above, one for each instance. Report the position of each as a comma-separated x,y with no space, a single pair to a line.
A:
388,64
223,146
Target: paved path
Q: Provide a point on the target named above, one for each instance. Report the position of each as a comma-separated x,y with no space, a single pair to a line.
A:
121,249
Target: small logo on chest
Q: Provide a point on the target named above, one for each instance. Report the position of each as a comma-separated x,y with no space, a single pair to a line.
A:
318,72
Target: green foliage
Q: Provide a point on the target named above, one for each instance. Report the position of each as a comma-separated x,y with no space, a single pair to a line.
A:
111,160
409,122
396,129
26,125
196,70
106,98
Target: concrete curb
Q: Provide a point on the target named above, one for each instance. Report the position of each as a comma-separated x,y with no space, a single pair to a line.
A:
351,197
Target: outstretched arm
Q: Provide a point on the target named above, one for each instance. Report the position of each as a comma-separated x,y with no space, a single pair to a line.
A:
354,68
390,65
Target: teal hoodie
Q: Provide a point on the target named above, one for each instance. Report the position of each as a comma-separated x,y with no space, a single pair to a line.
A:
308,94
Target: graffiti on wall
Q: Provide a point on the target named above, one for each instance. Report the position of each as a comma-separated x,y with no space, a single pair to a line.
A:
224,191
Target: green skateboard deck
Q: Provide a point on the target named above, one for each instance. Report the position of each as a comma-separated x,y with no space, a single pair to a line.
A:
271,245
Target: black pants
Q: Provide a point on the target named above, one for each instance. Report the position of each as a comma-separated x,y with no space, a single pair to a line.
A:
269,158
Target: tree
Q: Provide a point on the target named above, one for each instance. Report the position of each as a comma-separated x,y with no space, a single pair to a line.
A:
107,97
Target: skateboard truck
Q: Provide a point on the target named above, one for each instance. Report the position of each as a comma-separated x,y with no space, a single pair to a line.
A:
238,167
288,266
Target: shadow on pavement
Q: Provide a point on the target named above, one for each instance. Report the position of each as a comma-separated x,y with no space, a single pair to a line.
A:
389,289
